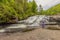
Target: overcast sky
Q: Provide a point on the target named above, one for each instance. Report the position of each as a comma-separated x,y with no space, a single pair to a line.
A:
47,3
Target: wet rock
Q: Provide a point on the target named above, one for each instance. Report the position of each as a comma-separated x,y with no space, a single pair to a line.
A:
30,23
35,20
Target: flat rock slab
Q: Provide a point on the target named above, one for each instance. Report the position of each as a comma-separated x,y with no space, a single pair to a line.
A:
15,28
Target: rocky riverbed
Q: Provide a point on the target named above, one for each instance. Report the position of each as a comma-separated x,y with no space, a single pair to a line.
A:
38,34
30,23
31,30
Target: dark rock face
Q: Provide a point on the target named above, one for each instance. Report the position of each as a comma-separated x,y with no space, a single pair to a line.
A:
54,19
51,19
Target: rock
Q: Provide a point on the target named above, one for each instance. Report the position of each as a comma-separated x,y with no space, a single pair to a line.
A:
21,22
31,20
30,23
38,18
2,30
53,27
54,18
35,20
14,28
17,26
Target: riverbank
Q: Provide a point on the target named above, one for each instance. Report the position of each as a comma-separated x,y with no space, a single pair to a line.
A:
38,34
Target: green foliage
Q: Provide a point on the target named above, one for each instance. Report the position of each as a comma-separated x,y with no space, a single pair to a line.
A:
34,6
21,9
53,10
7,11
13,9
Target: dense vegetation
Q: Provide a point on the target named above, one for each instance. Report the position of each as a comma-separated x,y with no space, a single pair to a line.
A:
11,10
16,9
53,10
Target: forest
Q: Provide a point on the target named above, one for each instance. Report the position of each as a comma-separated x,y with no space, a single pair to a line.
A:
17,10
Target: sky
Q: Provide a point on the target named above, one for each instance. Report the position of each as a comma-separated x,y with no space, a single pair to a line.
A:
47,3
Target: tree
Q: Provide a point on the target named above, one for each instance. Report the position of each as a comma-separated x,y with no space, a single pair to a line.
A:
34,6
16,9
7,12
